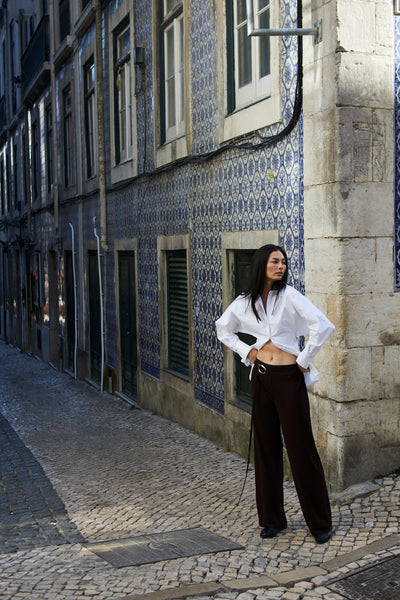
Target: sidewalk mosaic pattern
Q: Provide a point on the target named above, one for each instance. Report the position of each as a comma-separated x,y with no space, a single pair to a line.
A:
123,473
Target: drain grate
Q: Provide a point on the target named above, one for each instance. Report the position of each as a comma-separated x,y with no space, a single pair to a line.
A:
381,582
152,548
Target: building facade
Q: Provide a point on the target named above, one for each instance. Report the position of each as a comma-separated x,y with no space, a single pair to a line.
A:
147,148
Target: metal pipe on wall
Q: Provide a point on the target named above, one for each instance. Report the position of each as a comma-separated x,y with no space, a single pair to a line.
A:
75,298
101,305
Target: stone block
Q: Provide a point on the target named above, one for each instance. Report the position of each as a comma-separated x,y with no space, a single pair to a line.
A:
362,442
249,583
382,145
319,93
357,378
323,263
355,72
386,374
355,555
321,156
357,271
365,144
372,320
356,26
330,364
354,144
364,209
321,211
384,28
300,574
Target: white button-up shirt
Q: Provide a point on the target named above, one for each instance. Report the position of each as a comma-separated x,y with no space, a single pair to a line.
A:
288,316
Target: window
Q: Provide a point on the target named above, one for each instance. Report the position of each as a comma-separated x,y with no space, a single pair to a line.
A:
64,17
242,262
67,114
12,67
2,186
249,95
24,169
90,118
15,176
237,251
177,312
35,160
172,72
123,95
49,148
248,57
8,182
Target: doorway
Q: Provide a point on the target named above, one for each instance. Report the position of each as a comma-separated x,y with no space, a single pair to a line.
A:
94,318
127,322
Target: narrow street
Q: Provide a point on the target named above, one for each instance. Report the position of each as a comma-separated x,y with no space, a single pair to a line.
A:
79,467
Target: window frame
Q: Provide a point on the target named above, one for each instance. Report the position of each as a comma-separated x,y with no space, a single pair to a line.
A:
177,311
257,111
49,131
68,135
258,87
15,163
165,245
3,194
64,20
232,243
123,64
121,17
35,145
172,71
178,143
90,121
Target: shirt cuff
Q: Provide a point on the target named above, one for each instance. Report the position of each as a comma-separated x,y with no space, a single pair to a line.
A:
303,360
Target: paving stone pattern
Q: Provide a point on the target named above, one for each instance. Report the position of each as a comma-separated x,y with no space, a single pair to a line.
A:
122,473
31,513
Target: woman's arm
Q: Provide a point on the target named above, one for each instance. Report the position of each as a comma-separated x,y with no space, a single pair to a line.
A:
228,325
318,325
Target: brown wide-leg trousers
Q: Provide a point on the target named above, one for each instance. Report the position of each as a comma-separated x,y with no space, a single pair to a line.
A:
280,400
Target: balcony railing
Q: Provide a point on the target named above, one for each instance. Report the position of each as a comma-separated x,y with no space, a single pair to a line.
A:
35,55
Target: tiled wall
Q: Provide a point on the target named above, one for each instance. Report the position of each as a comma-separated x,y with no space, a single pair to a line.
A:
236,191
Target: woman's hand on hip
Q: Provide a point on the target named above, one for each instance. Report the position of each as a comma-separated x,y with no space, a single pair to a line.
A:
302,369
252,355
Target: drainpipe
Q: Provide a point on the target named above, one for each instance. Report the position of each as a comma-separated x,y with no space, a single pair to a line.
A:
75,298
100,126
101,305
54,117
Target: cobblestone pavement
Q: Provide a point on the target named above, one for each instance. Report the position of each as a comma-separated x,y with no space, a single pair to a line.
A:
93,469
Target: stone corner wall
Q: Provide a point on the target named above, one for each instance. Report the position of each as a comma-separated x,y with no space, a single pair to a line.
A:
348,231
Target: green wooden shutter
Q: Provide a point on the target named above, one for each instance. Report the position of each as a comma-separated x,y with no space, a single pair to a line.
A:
178,312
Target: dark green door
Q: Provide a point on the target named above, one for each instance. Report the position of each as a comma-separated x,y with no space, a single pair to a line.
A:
94,318
70,310
242,270
127,321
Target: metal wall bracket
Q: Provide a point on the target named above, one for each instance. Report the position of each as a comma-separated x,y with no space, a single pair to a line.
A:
316,31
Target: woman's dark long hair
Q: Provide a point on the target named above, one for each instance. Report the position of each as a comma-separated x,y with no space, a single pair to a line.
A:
257,274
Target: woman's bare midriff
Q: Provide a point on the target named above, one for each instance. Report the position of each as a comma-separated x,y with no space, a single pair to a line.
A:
271,355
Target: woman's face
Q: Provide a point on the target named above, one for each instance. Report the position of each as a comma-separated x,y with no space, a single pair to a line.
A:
276,267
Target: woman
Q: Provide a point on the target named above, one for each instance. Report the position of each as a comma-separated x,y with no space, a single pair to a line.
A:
277,315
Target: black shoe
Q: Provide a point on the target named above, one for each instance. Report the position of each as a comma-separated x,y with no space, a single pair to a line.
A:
270,532
322,538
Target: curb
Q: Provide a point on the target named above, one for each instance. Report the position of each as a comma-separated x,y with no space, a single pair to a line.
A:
286,579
